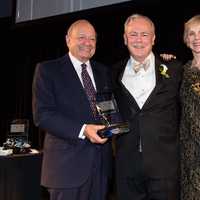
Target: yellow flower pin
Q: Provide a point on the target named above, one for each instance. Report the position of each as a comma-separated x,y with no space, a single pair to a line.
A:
196,87
163,70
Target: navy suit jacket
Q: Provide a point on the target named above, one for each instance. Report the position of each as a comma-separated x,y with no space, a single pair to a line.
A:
61,107
156,123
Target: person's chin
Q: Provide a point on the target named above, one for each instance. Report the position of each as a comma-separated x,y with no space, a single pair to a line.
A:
86,56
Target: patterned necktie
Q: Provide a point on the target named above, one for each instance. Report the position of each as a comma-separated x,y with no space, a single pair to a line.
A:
89,88
138,66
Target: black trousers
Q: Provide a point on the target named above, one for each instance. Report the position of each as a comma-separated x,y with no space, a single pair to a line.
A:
143,187
95,188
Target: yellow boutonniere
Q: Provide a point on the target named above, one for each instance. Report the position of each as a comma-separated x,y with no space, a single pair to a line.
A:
196,87
163,70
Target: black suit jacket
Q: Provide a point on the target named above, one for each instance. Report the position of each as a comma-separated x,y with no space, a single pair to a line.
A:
61,107
156,123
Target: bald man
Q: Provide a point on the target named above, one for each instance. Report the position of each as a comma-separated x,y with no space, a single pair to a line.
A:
76,161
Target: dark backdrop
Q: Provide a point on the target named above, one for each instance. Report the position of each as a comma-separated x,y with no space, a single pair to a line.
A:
25,44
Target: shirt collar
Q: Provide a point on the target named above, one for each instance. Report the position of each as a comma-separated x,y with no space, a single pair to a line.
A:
150,57
76,62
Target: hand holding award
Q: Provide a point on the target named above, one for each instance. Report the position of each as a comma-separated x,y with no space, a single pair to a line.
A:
109,114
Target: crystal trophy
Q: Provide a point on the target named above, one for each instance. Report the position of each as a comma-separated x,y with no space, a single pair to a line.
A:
109,115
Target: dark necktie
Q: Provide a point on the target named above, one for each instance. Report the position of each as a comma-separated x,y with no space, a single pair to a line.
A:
89,88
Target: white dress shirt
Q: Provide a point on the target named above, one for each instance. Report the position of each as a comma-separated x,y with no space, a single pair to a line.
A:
77,66
140,84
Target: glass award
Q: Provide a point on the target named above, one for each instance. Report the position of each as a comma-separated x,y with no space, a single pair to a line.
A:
110,116
17,136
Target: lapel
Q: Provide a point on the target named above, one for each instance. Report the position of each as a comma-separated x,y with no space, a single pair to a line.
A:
100,77
75,87
69,73
129,97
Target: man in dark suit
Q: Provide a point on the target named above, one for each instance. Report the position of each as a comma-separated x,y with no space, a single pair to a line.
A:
76,161
146,91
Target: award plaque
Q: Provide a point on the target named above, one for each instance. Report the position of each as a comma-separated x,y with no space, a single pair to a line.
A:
17,136
109,116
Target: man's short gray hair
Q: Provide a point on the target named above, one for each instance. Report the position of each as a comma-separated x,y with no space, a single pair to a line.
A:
136,16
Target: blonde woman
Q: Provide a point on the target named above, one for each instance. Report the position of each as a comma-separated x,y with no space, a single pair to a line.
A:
190,118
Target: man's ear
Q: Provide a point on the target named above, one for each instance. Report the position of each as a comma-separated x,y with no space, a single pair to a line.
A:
125,39
153,40
67,39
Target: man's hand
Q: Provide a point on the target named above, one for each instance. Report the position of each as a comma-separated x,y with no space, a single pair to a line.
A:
167,57
91,133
